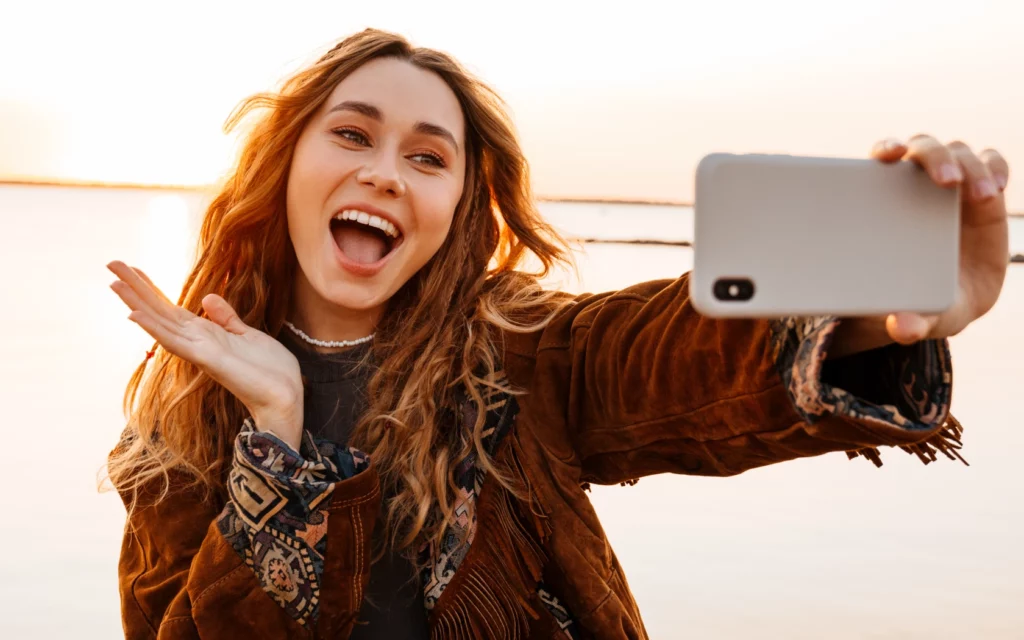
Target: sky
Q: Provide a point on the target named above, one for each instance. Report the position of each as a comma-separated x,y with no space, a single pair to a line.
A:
612,100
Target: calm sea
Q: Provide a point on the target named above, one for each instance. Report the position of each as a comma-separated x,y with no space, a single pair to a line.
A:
818,548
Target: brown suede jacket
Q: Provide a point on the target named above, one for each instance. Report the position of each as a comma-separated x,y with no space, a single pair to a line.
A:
618,386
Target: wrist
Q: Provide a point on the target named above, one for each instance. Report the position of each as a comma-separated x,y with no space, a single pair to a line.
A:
856,335
284,423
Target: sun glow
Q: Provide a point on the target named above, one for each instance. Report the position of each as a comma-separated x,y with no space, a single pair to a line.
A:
103,95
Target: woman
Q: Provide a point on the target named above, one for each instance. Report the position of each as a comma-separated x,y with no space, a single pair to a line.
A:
364,421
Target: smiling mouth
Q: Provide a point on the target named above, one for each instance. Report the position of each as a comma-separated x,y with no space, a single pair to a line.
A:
364,238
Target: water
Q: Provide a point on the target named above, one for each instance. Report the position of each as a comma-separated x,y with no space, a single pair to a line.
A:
814,548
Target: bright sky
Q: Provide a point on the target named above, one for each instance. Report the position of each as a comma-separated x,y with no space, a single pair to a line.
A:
612,99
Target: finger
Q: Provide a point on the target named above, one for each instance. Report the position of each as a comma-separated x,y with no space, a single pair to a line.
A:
979,186
160,293
134,302
161,330
889,150
157,303
219,311
997,166
908,328
145,321
153,328
935,158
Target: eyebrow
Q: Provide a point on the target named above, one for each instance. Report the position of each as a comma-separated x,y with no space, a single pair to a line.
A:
372,112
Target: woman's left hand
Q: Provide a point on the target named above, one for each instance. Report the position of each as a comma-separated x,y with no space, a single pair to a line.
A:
984,242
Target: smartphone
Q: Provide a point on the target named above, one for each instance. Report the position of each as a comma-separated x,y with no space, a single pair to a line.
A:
778,235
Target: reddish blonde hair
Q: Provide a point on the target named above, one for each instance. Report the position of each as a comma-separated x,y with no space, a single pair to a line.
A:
440,331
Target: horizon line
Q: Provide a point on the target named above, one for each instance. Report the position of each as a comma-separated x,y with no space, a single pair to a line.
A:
100,184
27,181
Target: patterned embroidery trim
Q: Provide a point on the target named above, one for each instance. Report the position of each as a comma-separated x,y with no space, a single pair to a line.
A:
919,377
441,563
563,618
799,347
276,516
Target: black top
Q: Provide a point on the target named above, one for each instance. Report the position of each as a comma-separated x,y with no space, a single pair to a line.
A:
335,389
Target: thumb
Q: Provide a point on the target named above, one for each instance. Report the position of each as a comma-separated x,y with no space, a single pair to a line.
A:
908,328
218,309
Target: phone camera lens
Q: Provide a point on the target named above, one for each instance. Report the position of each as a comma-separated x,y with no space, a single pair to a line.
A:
734,289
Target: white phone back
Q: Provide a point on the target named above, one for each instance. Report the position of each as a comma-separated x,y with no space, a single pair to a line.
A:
822,236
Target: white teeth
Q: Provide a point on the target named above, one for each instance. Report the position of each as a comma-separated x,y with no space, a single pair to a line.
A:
372,221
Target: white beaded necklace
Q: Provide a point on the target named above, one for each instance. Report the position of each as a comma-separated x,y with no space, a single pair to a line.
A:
328,344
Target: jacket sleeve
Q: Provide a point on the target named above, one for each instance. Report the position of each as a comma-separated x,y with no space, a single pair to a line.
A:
642,384
255,567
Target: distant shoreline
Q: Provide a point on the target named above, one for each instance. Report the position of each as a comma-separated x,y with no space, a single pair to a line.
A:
1014,258
87,184
79,184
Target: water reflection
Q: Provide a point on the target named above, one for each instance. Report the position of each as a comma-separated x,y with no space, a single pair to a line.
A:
809,549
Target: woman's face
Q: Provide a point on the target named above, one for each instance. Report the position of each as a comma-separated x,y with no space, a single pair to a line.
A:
374,182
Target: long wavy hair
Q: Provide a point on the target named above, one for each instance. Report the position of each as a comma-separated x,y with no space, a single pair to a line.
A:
440,336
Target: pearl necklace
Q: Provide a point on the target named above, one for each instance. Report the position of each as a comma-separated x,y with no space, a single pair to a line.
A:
328,344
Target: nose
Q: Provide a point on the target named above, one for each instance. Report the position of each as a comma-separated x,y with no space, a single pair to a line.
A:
381,172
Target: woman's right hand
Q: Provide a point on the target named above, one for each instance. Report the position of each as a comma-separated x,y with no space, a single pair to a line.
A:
261,372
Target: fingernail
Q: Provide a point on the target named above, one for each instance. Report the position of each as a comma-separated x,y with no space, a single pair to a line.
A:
1001,182
916,327
950,173
984,188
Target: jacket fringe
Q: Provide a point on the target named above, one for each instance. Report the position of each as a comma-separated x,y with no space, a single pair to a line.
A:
947,441
497,597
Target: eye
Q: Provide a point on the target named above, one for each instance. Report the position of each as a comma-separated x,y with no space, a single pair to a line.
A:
429,158
352,135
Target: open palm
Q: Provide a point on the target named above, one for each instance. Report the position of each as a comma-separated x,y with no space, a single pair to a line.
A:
261,372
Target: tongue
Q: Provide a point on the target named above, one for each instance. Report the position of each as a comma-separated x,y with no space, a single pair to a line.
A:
364,247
